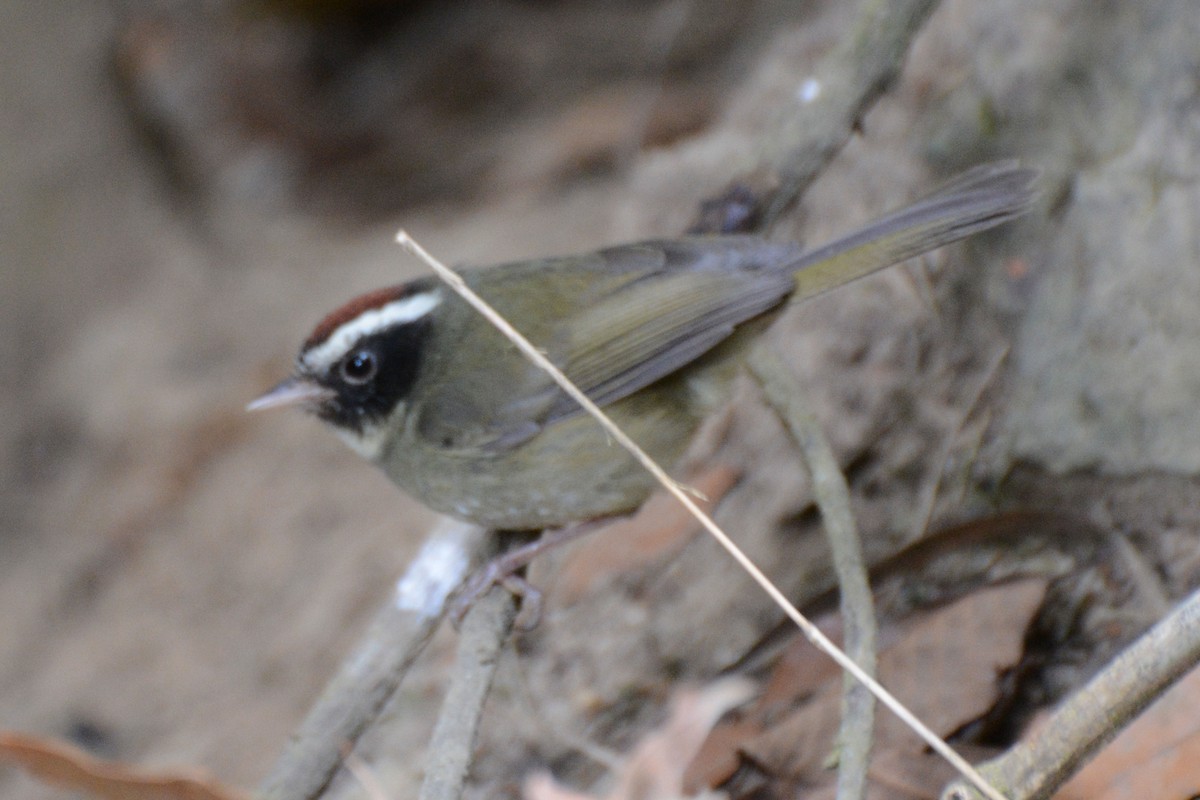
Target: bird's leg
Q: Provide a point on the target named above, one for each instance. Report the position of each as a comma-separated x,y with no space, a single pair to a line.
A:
505,569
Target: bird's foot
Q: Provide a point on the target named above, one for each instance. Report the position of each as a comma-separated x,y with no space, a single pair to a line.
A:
505,570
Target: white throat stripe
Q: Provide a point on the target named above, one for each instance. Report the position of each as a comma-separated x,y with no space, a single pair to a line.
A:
408,309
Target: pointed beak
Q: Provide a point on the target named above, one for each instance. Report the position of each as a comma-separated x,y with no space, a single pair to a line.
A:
291,392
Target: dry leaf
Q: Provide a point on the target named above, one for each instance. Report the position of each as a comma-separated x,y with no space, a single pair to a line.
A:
62,765
660,526
720,755
654,771
1158,756
800,671
943,668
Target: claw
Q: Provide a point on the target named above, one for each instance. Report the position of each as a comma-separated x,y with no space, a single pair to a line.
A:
504,570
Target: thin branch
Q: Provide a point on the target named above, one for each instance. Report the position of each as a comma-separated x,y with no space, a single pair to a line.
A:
1097,712
832,102
369,676
484,631
832,495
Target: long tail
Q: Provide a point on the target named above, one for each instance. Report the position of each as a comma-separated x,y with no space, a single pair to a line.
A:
981,198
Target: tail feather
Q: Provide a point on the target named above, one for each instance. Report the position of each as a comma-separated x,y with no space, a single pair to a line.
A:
979,199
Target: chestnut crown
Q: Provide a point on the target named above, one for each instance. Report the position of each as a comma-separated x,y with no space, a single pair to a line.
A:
360,362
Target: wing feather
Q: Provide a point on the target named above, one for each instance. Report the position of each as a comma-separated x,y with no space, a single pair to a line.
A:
630,315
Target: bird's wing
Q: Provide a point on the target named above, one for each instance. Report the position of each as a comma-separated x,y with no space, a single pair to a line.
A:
651,327
629,316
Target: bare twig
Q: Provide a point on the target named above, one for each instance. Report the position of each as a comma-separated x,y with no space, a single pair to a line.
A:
1098,711
832,102
372,672
858,611
484,631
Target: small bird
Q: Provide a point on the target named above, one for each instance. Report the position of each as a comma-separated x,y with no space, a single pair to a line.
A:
413,379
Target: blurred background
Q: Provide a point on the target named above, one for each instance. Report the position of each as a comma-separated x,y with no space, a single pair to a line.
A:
188,187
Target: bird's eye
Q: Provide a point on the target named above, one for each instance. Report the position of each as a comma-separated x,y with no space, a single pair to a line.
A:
359,367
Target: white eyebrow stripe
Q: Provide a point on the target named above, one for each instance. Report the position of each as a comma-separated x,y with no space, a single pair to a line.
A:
345,336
